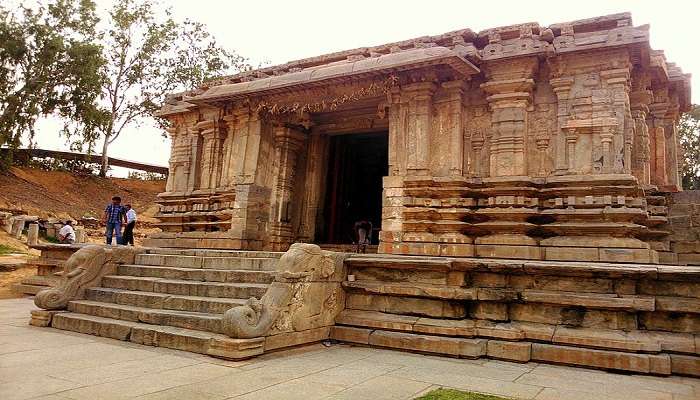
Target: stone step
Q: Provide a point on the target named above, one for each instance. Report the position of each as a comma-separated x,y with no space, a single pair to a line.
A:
413,289
193,274
417,306
146,334
187,261
594,338
214,305
183,287
216,253
181,319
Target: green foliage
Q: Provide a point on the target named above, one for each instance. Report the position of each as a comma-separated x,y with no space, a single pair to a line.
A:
52,239
49,64
148,54
451,394
689,136
79,167
146,176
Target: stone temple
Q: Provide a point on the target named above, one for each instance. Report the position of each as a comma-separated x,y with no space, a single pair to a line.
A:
521,183
522,142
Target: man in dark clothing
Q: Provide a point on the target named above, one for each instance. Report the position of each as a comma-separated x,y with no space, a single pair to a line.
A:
114,216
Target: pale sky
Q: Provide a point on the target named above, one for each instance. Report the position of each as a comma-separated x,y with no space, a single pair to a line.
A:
280,31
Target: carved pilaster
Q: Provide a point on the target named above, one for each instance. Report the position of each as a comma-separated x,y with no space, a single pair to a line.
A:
288,144
509,88
455,92
420,105
562,89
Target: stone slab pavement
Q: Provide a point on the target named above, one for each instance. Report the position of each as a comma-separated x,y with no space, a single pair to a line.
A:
45,363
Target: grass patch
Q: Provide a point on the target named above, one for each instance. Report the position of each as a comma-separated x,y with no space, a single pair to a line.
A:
451,394
52,239
5,250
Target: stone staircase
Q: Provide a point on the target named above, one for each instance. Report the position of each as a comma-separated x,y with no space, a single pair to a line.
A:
171,298
641,318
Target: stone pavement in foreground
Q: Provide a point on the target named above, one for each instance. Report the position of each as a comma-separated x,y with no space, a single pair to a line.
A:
45,363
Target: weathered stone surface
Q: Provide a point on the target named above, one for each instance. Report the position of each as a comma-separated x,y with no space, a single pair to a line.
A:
405,305
592,358
470,348
511,351
350,334
685,365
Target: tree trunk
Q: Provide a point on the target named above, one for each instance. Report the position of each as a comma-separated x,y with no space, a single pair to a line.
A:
105,157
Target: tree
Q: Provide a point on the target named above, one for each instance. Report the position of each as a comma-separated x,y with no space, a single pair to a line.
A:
49,64
148,55
689,135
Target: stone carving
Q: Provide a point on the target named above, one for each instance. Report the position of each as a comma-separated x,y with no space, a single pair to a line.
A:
305,294
85,268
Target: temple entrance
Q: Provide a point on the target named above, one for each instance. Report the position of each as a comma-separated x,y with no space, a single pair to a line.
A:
356,165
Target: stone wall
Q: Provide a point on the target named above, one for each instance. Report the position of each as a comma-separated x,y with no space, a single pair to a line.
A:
639,318
684,227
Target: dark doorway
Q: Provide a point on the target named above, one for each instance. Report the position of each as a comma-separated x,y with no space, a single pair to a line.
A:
356,165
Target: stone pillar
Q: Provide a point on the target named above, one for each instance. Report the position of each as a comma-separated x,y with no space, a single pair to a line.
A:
613,137
80,234
288,144
210,173
397,130
33,234
315,174
419,123
509,88
455,91
17,227
640,98
606,141
672,143
562,89
194,173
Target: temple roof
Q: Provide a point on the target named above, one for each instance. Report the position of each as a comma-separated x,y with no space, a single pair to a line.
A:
349,67
463,51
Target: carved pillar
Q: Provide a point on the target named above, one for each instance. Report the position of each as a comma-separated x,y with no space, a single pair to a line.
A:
562,89
397,130
606,141
640,98
658,144
618,83
455,91
208,133
419,121
672,143
288,144
315,173
179,163
509,90
195,159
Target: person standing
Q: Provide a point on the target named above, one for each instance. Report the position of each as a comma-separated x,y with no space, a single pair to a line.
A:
130,224
114,216
67,234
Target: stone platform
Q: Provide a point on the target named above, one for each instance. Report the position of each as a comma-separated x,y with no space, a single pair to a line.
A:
624,317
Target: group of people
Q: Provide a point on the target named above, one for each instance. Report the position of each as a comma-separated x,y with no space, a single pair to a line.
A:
116,216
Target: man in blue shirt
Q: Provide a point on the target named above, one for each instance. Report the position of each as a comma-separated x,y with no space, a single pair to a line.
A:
113,217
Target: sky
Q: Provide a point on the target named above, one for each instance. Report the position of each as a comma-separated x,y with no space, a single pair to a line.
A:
275,32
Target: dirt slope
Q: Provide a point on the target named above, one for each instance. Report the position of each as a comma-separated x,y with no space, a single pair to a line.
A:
62,194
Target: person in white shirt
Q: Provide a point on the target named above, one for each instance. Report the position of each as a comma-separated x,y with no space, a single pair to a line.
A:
67,234
128,237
